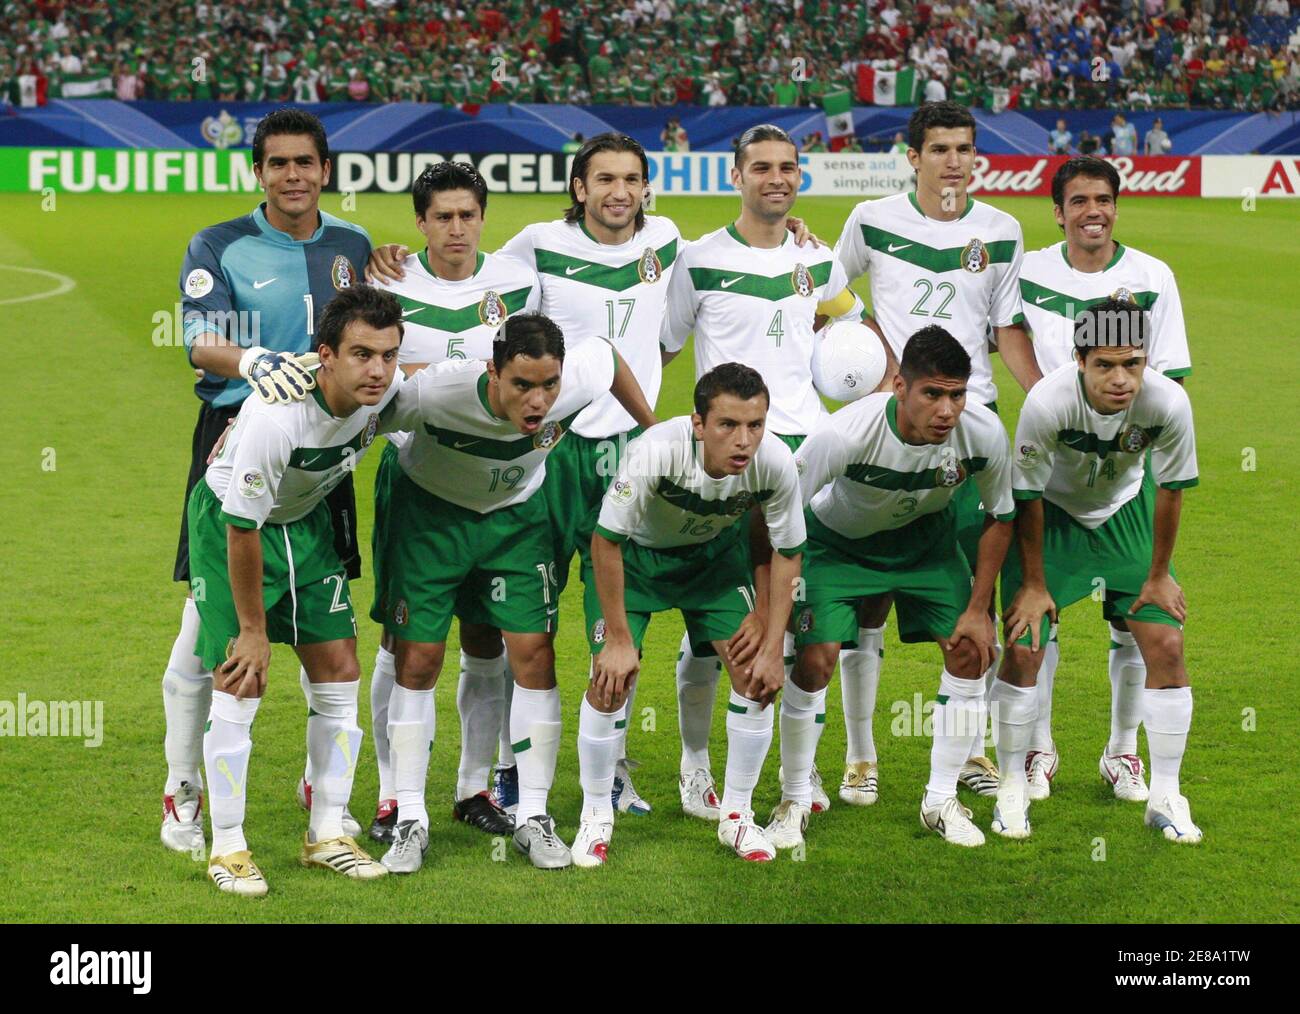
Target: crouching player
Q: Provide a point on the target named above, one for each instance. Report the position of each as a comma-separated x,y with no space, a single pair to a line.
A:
670,535
1080,442
263,568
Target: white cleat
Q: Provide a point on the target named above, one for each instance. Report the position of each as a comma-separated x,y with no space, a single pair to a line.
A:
182,821
236,873
624,796
861,785
407,851
351,829
700,795
1173,816
787,824
739,833
952,822
1011,813
1040,769
981,776
591,846
342,855
820,801
1124,772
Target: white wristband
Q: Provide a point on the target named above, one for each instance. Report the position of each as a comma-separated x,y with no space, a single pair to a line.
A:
247,359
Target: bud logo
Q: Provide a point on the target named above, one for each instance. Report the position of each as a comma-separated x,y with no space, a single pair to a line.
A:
102,968
1156,176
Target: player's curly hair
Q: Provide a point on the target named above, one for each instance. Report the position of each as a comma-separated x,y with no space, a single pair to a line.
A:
365,303
290,121
527,334
933,352
443,176
608,141
930,115
730,378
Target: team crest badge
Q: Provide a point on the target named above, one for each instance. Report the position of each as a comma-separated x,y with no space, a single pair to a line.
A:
1134,439
372,427
950,473
648,267
805,622
802,281
974,257
598,631
1123,295
491,310
400,613
741,503
342,274
548,436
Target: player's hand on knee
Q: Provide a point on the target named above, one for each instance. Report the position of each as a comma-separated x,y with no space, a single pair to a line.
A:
613,671
1165,593
977,627
766,678
385,263
745,642
1030,605
244,671
278,376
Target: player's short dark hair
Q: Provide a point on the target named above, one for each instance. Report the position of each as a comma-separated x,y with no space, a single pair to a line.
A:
1109,324
527,334
1083,165
609,141
365,303
763,132
933,352
290,121
730,378
444,176
930,115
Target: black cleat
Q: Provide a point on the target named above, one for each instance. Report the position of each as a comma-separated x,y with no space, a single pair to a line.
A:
481,811
384,826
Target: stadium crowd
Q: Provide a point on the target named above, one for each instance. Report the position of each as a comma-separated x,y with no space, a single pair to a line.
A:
1020,54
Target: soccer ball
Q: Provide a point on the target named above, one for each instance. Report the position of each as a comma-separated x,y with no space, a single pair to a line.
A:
1166,144
848,362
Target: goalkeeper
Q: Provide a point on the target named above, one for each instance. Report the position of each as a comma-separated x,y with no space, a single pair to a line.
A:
253,290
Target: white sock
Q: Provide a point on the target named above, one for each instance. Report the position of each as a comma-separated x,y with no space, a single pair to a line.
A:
479,699
598,747
381,690
1042,737
697,685
187,699
535,729
958,717
859,681
1128,678
626,720
334,744
749,736
505,751
1167,714
305,683
1014,710
226,747
803,716
977,746
412,724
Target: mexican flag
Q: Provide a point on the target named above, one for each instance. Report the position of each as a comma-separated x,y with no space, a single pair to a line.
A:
838,107
887,87
87,86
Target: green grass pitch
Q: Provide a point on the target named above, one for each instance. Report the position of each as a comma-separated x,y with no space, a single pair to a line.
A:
97,424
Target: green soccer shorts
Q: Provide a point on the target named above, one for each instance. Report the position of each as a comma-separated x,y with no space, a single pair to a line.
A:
441,560
1112,559
711,583
304,586
921,564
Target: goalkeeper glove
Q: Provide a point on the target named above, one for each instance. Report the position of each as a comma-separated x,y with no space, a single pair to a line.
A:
278,376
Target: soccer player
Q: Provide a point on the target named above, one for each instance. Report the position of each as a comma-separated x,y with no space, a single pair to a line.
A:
1056,284
253,290
880,482
454,299
751,294
934,255
468,532
1080,448
672,533
264,567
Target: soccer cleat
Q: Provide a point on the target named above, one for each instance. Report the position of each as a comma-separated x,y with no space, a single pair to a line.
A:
699,795
1011,813
539,842
350,826
591,847
1040,769
739,833
952,822
820,801
505,787
385,822
410,843
182,820
861,785
624,795
1173,816
342,855
981,776
236,873
1124,772
787,824
481,811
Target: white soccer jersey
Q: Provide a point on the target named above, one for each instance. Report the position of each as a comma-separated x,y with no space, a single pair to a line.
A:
280,460
615,292
961,275
860,477
755,306
663,497
1089,464
1053,293
465,454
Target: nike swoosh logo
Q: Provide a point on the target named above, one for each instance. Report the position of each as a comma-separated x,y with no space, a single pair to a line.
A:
574,271
1042,299
414,309
894,249
459,444
727,283
307,463
258,285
